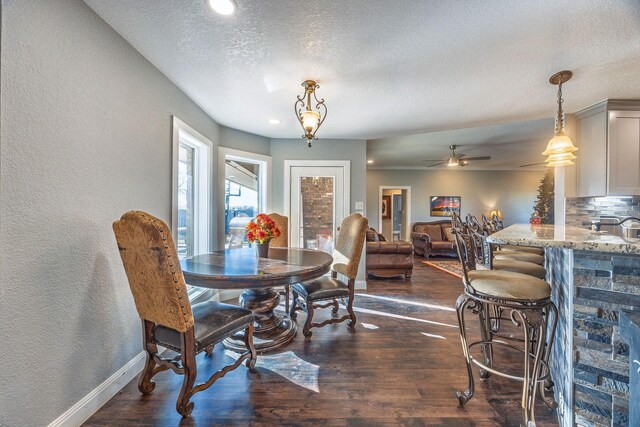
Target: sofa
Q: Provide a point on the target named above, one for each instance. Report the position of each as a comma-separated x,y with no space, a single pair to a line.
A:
433,239
388,259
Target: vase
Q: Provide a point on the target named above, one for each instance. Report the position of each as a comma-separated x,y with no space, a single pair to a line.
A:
262,250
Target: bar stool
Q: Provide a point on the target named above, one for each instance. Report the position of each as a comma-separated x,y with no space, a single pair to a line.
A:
527,300
485,260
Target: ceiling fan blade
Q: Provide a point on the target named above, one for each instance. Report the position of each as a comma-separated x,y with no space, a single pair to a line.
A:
433,160
436,164
533,164
460,155
479,158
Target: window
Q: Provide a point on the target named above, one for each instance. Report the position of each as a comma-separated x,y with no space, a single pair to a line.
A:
191,216
245,178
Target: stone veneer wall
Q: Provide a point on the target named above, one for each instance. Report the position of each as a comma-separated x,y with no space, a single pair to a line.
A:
580,211
559,270
603,284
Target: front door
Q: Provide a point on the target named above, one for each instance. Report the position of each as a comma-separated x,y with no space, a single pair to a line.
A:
318,202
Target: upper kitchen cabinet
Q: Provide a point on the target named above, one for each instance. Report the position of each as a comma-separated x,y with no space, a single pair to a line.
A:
608,136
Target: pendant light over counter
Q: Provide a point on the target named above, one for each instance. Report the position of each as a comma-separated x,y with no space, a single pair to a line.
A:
560,148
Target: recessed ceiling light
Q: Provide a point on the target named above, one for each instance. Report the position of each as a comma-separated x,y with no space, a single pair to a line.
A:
370,162
223,7
274,121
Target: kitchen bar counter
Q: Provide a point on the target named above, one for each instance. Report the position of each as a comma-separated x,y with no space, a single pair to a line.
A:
594,277
567,237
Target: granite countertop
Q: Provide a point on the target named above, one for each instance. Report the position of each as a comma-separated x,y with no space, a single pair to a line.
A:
549,236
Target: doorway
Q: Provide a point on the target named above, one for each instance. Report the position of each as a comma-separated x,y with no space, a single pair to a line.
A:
394,220
316,201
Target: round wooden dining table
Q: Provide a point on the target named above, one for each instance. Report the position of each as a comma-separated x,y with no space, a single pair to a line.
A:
242,269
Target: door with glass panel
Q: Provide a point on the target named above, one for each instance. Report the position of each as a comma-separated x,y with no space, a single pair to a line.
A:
318,201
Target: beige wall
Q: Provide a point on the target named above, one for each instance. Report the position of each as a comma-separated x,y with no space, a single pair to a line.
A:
513,192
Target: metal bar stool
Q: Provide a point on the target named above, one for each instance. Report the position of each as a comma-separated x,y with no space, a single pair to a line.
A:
527,300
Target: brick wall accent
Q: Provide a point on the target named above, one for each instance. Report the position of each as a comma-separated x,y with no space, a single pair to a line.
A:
317,207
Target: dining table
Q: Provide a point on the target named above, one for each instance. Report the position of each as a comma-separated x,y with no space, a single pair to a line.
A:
242,269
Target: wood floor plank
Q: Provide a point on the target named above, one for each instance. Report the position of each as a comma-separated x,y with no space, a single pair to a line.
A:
394,375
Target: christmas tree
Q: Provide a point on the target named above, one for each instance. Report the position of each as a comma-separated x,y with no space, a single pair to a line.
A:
544,204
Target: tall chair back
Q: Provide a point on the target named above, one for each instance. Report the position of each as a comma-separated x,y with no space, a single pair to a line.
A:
348,248
466,253
151,263
283,224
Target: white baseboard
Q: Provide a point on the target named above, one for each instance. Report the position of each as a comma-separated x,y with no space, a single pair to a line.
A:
88,405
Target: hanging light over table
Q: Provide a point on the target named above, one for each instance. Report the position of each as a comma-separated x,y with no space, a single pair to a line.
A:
310,119
560,148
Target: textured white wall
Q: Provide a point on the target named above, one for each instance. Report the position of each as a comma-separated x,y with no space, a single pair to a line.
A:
513,192
85,136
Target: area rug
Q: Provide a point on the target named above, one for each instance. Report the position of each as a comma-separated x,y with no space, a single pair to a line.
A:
452,267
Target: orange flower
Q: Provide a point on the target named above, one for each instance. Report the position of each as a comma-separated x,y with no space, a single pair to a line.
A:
262,229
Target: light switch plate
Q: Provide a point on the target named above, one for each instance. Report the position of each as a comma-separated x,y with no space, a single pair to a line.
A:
359,206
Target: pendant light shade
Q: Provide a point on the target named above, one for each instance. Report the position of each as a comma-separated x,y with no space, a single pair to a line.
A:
560,147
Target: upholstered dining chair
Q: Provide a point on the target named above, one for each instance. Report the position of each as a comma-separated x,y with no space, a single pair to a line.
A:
160,294
282,242
346,259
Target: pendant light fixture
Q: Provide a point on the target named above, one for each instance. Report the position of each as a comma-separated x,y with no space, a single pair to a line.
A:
560,148
310,119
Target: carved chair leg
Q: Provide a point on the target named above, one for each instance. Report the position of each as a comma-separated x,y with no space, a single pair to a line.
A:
248,341
336,307
294,306
352,323
183,406
145,384
209,350
307,324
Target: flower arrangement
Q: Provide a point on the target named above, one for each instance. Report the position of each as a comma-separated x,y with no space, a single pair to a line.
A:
262,229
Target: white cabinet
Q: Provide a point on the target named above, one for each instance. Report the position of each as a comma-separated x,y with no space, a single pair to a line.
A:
608,138
624,153
592,155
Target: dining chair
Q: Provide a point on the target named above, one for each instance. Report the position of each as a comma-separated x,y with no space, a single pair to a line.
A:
159,291
346,259
281,241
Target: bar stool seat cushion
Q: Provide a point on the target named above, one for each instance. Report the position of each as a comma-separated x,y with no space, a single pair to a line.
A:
519,256
528,268
509,285
212,321
515,248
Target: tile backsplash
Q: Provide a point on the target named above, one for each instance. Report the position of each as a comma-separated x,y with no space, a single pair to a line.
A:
580,211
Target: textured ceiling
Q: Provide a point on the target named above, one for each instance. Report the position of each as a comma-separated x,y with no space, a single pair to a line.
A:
509,145
387,68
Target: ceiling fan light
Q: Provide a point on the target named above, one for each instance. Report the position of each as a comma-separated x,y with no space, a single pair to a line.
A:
559,144
453,162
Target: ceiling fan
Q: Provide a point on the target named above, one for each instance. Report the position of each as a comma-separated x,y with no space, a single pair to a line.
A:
455,159
533,164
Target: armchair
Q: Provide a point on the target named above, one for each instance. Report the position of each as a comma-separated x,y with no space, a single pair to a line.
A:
433,238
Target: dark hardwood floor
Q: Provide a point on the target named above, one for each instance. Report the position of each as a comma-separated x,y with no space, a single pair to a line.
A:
404,373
